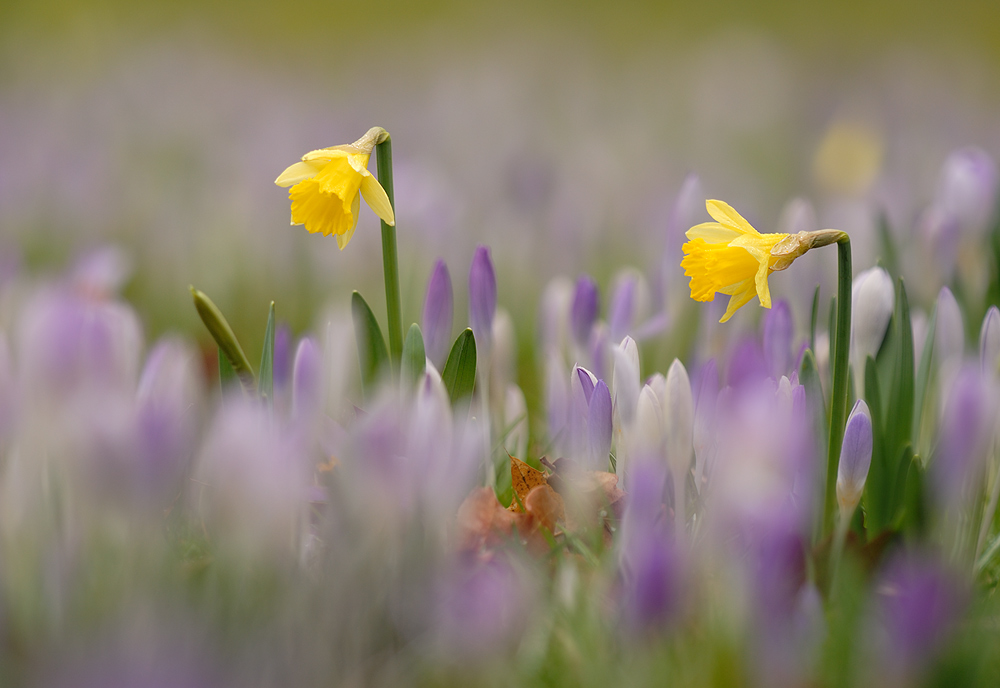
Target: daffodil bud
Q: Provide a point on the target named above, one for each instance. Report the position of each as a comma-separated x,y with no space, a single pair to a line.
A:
872,301
989,342
437,316
855,458
583,314
482,296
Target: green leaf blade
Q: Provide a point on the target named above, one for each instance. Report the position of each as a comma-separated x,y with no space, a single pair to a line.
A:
459,374
373,357
414,357
265,374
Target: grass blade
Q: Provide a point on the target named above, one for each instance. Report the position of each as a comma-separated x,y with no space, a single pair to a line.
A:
265,374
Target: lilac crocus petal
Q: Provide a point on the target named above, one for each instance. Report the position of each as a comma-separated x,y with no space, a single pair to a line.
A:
989,342
437,316
855,457
949,337
645,435
778,339
620,314
653,588
307,380
583,314
482,296
967,188
587,380
600,426
966,427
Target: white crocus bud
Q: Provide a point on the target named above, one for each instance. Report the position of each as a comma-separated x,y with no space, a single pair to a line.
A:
625,380
872,301
678,416
949,336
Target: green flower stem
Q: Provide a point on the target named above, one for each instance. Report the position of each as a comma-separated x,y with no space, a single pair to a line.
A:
840,370
390,259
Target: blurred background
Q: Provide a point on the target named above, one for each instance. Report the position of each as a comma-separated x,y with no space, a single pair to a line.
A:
558,133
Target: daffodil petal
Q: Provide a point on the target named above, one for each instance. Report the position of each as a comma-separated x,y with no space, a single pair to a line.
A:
326,154
345,238
724,214
763,291
377,199
299,172
712,232
737,301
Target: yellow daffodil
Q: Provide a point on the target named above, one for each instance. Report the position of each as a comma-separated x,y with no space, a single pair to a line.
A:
730,257
325,186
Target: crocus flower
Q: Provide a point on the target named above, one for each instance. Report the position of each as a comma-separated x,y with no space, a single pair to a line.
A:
872,301
586,303
482,296
855,458
325,186
730,257
437,316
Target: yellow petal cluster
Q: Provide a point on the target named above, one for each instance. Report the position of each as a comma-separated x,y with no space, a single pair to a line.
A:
326,185
730,257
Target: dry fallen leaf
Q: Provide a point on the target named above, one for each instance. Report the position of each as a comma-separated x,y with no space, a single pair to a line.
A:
545,505
523,478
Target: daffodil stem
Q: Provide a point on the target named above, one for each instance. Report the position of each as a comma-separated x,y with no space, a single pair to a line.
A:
390,259
840,371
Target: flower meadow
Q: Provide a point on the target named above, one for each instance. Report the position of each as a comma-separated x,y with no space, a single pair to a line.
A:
430,343
805,495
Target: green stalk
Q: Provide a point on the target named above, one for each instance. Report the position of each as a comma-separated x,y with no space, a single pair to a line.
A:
390,260
840,371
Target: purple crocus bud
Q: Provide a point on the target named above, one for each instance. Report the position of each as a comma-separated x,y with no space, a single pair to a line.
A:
919,606
437,317
989,342
778,339
966,426
307,380
600,426
629,301
581,384
967,188
586,303
101,272
587,380
482,296
855,458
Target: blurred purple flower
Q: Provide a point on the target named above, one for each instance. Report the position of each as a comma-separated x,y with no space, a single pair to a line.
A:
778,339
482,297
307,381
478,609
855,458
966,426
989,342
437,316
586,304
919,605
967,187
